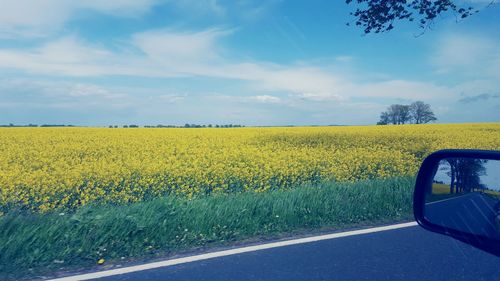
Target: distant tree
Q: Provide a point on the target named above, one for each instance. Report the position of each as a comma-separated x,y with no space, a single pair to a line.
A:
380,15
396,114
125,126
393,112
384,118
403,114
418,113
421,113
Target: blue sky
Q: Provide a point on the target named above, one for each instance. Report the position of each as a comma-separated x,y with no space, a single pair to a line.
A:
242,62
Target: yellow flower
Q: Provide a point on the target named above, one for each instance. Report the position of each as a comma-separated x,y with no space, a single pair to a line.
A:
59,168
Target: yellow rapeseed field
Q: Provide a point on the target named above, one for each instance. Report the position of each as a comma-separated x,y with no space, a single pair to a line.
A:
50,168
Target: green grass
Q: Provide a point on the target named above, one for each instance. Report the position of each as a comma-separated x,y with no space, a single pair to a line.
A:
34,244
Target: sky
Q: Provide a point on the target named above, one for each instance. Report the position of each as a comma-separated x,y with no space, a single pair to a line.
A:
275,62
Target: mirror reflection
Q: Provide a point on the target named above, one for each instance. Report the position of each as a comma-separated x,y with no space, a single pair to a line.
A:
465,196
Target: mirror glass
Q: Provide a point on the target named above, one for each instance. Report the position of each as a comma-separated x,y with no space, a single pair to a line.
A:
465,196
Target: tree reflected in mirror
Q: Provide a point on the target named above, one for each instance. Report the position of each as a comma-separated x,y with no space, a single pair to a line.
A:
465,196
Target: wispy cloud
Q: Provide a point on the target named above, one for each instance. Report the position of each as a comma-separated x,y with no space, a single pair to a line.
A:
53,92
169,54
180,47
481,97
266,99
246,10
467,54
28,18
34,18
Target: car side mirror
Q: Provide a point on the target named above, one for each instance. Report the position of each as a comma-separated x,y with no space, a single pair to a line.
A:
457,193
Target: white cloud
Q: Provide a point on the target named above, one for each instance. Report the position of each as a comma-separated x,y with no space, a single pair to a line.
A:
82,90
300,80
266,99
70,56
245,10
117,7
29,18
24,93
179,46
70,50
170,98
92,91
168,53
321,96
403,89
467,54
27,93
198,7
24,88
38,18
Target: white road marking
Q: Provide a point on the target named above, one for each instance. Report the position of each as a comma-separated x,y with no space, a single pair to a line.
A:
447,199
247,249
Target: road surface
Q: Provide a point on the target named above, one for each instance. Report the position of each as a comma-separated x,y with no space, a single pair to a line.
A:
472,212
408,253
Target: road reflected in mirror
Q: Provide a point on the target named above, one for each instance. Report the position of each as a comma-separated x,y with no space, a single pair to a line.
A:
465,196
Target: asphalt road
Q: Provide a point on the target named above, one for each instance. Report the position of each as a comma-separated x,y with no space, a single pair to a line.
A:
473,212
403,254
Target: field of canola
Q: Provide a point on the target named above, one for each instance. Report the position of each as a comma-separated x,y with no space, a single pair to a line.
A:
43,169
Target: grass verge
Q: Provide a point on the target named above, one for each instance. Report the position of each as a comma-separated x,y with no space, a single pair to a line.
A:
33,244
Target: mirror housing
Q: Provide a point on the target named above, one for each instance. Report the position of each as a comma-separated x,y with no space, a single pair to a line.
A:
454,213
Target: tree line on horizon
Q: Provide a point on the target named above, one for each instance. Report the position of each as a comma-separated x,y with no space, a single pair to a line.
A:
416,113
185,126
36,125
